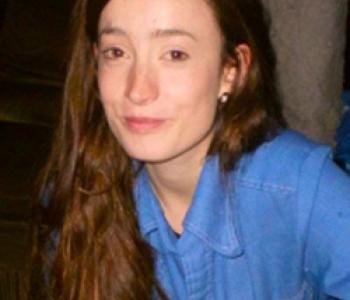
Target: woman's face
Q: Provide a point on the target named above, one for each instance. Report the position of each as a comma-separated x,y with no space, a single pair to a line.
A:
160,75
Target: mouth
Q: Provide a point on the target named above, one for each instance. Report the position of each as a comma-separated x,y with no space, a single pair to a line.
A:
143,124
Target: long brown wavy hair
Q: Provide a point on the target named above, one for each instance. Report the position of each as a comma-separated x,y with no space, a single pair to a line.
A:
96,249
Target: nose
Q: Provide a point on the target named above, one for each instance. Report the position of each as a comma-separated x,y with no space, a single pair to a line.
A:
142,87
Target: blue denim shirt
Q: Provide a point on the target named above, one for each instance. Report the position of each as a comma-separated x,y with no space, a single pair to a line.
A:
275,228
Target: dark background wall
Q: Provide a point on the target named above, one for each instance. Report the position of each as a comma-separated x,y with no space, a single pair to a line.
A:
33,43
33,39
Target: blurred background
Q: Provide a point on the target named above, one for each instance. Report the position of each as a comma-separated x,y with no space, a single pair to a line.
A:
33,46
34,39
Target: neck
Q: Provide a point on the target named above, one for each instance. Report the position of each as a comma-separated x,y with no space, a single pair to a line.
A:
174,182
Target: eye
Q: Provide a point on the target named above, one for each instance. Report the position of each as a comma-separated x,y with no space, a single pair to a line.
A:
113,53
176,55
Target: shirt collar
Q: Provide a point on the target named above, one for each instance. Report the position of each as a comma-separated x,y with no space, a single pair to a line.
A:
210,217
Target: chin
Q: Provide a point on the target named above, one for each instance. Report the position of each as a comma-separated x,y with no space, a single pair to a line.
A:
147,156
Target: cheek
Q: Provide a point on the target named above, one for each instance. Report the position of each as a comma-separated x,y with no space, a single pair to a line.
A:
111,89
109,82
194,91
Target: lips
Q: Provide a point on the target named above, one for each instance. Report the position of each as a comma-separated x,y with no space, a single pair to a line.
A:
143,124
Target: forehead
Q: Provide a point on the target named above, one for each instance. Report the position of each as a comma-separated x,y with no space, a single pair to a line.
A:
143,17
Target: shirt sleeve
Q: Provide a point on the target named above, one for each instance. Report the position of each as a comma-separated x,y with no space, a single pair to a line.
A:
327,247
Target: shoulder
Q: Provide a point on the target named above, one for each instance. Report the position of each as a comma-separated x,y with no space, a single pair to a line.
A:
299,201
281,162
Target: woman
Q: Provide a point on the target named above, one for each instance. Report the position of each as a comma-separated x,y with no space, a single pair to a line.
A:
172,176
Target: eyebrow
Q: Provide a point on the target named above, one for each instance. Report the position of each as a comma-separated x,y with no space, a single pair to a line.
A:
172,32
158,33
111,30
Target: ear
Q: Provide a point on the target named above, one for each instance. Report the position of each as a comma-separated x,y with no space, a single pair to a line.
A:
235,70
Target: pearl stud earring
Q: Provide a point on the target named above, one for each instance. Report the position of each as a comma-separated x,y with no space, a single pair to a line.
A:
223,98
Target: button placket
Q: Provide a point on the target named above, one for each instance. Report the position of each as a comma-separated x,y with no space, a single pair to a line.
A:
198,270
